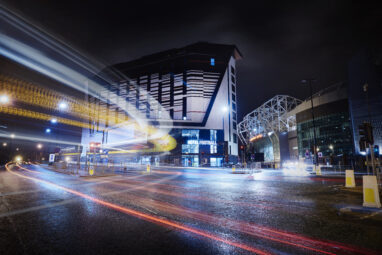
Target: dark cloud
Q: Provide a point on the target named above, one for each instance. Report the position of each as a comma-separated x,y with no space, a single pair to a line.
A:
282,41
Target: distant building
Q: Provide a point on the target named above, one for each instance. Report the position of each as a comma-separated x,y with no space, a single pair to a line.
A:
338,110
268,129
196,86
332,121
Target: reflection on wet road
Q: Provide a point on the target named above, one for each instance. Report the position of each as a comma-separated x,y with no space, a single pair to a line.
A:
177,211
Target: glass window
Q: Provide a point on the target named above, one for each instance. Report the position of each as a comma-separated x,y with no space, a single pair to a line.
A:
191,134
213,135
233,79
190,148
233,88
232,70
234,116
234,125
333,135
234,106
233,97
212,62
234,138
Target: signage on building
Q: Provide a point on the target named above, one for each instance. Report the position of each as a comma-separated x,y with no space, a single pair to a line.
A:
201,142
319,154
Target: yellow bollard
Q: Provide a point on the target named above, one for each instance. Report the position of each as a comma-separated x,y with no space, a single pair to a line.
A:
233,169
349,179
148,168
370,191
91,171
318,169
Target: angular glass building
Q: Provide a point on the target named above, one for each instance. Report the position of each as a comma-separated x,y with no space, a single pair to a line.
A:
332,122
190,92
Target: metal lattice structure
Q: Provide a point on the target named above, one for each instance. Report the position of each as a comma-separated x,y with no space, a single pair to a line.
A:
269,118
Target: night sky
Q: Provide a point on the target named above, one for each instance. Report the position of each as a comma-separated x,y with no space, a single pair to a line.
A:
282,42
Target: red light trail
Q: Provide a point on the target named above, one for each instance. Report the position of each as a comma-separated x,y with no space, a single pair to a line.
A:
145,216
299,241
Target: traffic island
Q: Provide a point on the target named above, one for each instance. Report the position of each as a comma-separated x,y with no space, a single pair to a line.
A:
361,212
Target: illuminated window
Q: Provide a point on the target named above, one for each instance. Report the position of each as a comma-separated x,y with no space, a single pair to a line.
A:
190,148
213,149
212,62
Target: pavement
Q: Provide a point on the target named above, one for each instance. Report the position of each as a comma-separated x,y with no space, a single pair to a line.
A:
181,211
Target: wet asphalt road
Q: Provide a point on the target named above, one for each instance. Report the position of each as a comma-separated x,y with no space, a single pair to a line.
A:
179,211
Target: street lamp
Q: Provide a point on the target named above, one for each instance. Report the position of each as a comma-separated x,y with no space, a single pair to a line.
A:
62,106
18,159
309,81
53,121
5,144
4,99
12,136
39,146
48,130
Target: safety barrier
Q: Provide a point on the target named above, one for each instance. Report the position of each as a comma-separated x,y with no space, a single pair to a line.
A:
349,179
370,191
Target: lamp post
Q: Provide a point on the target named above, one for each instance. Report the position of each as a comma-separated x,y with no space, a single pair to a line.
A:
224,110
11,147
309,81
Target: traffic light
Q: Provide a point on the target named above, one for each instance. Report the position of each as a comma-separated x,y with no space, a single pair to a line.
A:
366,133
376,151
95,147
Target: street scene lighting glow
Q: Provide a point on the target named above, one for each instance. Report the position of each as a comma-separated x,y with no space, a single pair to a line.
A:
62,105
4,99
216,138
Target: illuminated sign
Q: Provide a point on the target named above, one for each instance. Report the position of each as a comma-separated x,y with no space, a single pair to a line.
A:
201,142
256,137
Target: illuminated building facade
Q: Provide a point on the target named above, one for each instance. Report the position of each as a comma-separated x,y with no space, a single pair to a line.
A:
332,122
190,92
